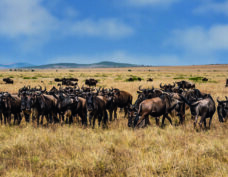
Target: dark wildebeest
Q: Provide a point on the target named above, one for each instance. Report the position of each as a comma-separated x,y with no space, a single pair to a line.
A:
23,95
12,105
222,110
185,85
121,99
69,83
156,107
139,78
149,80
8,81
1,105
204,107
58,80
42,105
167,88
97,109
72,105
226,83
91,82
205,79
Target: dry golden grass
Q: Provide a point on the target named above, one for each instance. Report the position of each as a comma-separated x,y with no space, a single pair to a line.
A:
118,151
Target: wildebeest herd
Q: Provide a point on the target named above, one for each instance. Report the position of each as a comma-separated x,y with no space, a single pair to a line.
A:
65,105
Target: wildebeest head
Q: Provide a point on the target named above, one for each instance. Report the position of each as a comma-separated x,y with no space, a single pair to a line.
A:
91,101
222,110
23,96
7,100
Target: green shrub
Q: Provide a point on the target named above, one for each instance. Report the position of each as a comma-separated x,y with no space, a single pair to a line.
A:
196,79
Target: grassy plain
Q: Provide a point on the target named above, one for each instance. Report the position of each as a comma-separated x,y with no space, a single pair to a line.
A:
118,151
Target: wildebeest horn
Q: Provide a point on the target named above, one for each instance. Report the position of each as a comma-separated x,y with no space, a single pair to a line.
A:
161,85
218,100
140,88
40,88
173,85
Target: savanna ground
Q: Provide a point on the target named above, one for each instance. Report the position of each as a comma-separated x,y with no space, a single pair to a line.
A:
56,150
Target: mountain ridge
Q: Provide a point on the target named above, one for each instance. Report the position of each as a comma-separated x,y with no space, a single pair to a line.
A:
102,64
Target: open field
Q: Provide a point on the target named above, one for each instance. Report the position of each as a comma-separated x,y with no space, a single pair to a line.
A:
118,151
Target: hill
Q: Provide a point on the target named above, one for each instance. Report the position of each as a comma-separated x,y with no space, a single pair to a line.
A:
104,64
15,65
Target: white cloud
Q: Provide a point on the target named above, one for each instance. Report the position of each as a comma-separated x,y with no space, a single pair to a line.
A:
201,40
150,2
111,28
24,17
213,7
30,19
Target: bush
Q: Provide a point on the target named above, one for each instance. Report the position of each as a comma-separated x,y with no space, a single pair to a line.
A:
196,79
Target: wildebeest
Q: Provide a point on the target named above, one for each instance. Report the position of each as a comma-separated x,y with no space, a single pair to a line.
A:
156,107
72,105
97,109
12,105
121,99
222,110
91,82
205,79
42,105
149,80
69,83
139,78
204,107
185,85
8,80
167,87
226,83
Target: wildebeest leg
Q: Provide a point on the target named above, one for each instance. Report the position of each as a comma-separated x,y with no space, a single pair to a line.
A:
210,122
19,119
91,115
100,119
1,117
5,118
38,120
125,112
196,118
147,120
204,122
9,119
110,114
163,121
157,121
141,119
115,114
105,118
170,120
203,118
15,118
94,118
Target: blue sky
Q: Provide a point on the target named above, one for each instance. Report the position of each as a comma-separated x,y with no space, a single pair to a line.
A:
150,32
